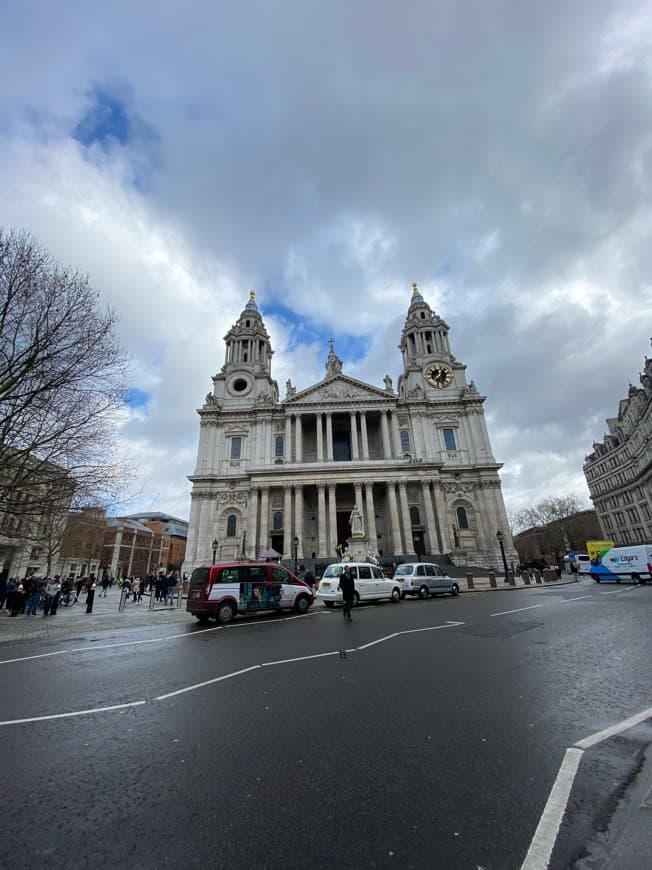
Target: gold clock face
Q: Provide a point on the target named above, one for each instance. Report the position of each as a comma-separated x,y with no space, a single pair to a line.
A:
439,376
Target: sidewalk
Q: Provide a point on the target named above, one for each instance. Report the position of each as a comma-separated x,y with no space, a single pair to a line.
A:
107,617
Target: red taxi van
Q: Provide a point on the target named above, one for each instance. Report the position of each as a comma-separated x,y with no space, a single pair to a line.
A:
221,591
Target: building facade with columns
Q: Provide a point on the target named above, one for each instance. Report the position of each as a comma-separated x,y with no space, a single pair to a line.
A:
284,473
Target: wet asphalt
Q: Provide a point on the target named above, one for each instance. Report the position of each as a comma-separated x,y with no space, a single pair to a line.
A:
436,747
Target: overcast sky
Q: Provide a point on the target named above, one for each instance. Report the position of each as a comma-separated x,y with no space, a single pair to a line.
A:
328,155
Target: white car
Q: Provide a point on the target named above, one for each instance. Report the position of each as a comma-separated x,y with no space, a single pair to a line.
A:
370,584
424,579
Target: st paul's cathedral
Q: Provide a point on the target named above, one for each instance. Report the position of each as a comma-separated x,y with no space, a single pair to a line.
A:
285,473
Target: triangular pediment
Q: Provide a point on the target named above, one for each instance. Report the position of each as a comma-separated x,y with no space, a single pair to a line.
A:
337,390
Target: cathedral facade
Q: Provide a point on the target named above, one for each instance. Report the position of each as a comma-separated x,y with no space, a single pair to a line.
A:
285,473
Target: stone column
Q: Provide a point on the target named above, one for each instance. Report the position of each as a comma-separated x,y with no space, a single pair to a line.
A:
433,543
299,438
396,438
329,436
354,436
319,422
287,522
288,440
363,434
252,523
384,431
372,534
357,489
332,519
264,519
442,517
393,514
298,518
193,529
405,516
321,518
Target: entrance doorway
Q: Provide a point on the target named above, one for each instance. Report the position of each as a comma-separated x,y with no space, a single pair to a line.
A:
277,543
343,529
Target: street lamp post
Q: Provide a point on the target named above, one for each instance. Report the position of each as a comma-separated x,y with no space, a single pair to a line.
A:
296,550
500,538
215,546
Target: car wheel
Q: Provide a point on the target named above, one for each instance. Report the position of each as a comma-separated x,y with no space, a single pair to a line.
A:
225,612
423,593
455,590
329,603
302,604
396,595
202,618
357,598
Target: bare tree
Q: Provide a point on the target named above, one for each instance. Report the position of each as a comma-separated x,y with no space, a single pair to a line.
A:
553,518
62,383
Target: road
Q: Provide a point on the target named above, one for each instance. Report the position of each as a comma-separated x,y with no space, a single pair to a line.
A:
423,734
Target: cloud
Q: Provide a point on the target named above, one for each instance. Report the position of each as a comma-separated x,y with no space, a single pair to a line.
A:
500,154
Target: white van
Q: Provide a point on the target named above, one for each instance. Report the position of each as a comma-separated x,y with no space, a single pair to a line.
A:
370,584
632,563
583,563
424,579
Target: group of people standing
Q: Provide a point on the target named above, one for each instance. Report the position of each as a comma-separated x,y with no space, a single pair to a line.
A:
164,587
36,593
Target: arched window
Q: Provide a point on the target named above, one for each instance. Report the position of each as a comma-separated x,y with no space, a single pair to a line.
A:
462,519
279,446
277,520
231,524
415,518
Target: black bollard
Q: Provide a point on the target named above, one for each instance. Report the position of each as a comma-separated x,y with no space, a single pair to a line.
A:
90,597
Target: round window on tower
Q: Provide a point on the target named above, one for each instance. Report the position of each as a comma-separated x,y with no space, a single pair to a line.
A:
239,386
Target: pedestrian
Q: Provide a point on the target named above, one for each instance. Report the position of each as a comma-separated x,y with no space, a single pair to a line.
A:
171,588
57,596
78,589
134,588
309,578
142,583
164,587
16,600
51,591
105,585
33,595
301,573
347,585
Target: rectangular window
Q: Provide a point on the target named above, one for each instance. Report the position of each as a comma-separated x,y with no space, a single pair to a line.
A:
449,439
405,441
236,447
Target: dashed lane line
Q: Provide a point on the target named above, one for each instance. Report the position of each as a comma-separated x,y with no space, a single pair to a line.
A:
520,610
73,713
207,683
577,598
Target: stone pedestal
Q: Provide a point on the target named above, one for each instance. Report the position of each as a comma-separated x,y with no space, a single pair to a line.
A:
358,550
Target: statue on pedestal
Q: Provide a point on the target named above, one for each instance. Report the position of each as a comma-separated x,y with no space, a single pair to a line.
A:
355,521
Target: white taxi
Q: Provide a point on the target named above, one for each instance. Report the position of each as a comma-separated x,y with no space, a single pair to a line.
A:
370,584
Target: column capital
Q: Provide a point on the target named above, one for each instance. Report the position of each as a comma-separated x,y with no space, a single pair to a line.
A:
321,484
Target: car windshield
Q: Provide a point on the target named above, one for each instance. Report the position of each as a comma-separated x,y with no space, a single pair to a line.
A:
403,569
333,571
199,577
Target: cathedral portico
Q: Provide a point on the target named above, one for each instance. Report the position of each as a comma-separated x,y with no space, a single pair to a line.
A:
417,463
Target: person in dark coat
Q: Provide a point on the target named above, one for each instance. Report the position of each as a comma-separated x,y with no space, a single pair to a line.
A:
16,600
347,585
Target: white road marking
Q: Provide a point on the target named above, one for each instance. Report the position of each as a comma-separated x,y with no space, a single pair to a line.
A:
577,598
112,645
614,729
430,628
207,683
545,835
615,592
520,610
28,658
74,713
380,640
299,659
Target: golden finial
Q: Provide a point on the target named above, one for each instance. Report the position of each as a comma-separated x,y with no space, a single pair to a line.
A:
415,289
252,295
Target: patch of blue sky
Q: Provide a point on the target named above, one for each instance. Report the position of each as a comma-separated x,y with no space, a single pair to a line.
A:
105,122
137,399
347,346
